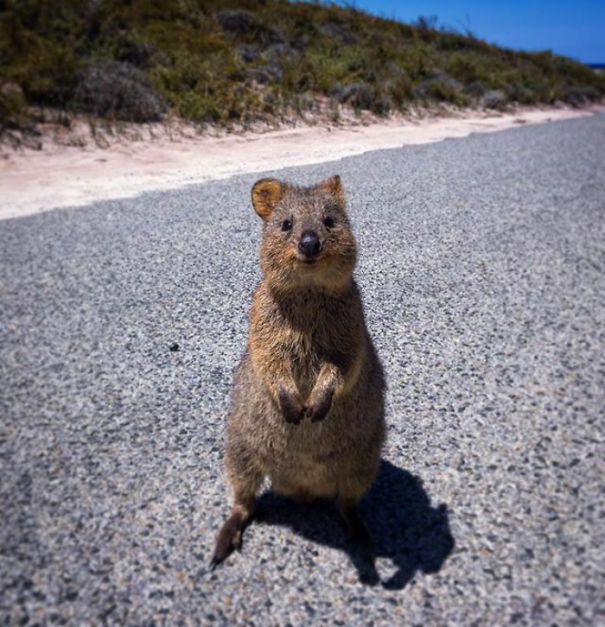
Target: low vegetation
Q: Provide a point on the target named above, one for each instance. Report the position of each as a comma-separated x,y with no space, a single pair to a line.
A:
243,61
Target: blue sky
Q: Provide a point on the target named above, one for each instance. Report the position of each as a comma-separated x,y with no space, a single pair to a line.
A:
575,29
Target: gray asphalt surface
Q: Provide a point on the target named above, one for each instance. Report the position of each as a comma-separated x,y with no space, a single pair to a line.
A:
482,266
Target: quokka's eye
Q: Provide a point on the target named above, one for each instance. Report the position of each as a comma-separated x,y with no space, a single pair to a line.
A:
286,225
329,222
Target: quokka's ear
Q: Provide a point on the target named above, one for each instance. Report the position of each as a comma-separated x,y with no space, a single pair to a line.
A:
335,188
266,193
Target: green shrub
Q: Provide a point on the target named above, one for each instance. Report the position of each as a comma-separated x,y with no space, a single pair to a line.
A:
441,90
12,104
197,107
400,90
463,67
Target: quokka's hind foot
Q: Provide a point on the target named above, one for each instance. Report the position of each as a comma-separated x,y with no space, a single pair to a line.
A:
229,538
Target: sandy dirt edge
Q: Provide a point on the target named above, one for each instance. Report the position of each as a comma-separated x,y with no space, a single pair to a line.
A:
57,176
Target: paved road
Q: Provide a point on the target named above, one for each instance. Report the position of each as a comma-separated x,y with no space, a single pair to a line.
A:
483,272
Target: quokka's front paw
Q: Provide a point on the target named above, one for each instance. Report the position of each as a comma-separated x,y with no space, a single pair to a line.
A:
290,406
319,409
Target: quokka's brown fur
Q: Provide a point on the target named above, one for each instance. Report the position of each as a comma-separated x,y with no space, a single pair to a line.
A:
307,400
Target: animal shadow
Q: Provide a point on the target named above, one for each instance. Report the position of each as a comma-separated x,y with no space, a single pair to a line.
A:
398,514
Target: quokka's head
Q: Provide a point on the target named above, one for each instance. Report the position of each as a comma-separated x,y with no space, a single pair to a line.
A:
307,238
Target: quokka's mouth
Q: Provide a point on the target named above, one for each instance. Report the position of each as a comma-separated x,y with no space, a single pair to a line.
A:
304,260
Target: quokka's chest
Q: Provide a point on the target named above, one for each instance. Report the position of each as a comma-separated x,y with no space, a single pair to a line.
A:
304,351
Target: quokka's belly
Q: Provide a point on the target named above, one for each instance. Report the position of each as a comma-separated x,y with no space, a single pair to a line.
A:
305,478
317,460
305,466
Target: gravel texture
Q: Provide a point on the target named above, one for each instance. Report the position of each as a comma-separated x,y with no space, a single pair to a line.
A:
483,272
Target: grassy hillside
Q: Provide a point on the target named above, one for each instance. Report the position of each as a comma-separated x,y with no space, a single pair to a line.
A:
246,60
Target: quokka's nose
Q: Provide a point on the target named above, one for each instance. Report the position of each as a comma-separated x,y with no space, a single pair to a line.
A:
309,244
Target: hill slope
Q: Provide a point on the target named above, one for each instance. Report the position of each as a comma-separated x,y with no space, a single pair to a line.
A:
240,61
